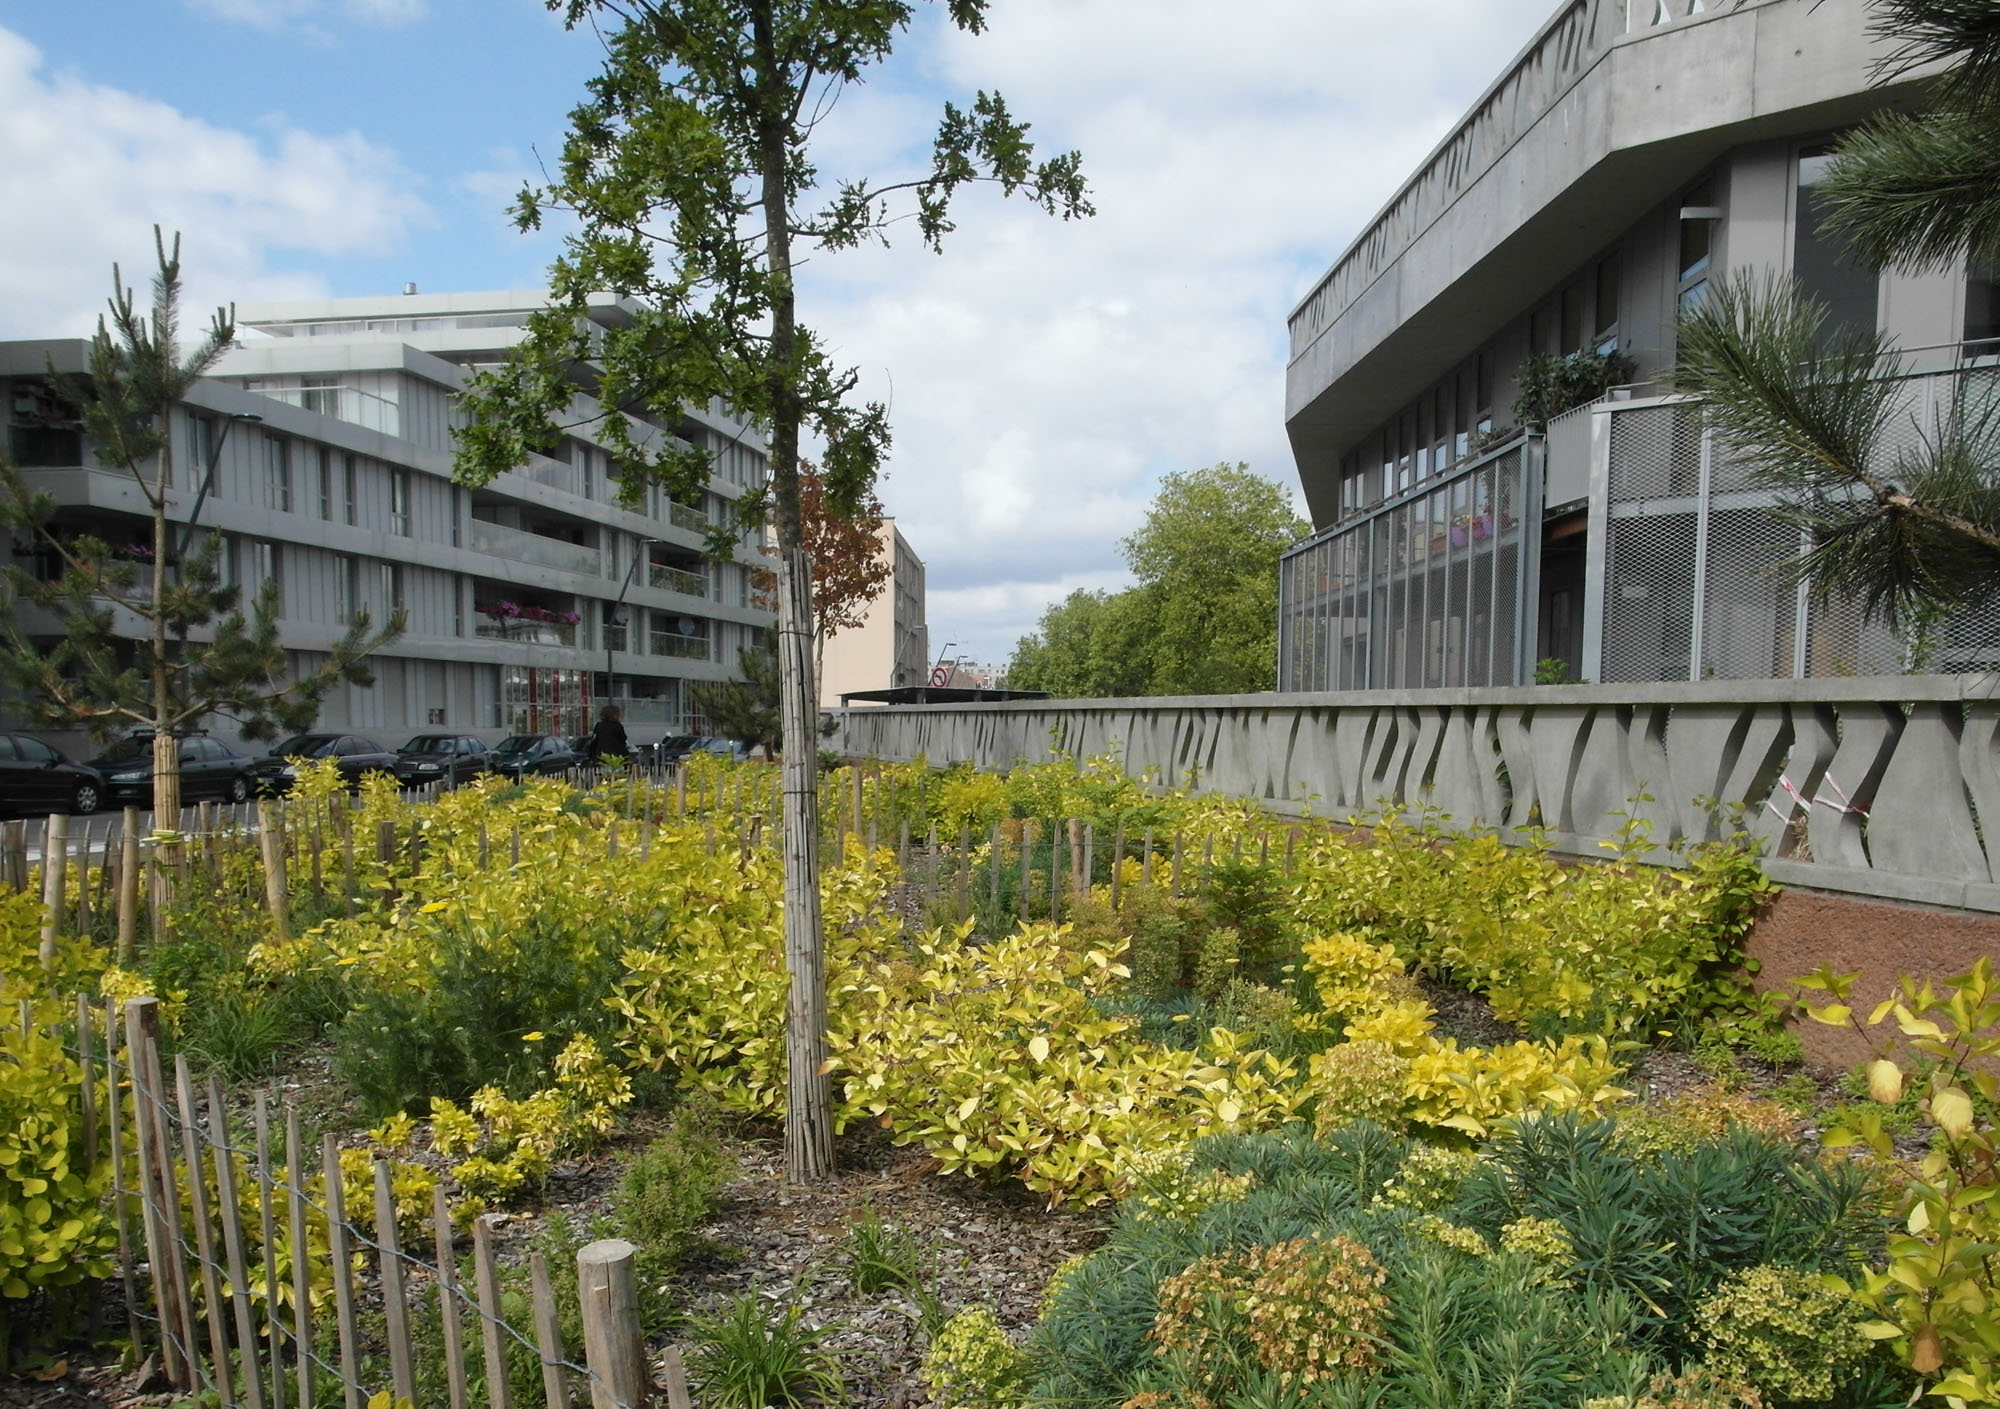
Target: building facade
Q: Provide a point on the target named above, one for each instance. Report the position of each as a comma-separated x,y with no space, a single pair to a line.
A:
891,647
530,601
1633,155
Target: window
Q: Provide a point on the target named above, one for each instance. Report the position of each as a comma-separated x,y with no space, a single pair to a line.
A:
1823,267
1699,217
278,473
200,445
458,606
347,476
41,428
347,587
399,502
326,484
270,568
392,586
320,395
34,750
1982,311
457,513
1610,273
227,562
1572,319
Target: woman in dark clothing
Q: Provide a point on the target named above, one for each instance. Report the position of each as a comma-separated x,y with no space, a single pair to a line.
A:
608,740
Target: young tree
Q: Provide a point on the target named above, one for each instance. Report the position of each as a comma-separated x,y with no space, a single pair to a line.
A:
1090,645
746,709
166,680
1809,409
688,171
849,566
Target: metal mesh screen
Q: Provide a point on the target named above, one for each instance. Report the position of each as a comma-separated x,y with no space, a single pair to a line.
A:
1649,598
1749,619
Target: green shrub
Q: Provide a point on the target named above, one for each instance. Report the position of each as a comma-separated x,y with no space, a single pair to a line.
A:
748,1357
668,1189
1783,1332
881,1256
971,1364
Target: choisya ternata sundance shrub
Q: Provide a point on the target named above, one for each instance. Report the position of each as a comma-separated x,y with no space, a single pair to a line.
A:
1308,1308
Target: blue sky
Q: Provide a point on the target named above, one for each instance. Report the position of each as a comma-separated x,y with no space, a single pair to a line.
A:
1042,376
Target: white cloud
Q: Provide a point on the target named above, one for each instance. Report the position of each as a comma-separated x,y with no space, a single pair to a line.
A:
92,169
1045,374
284,14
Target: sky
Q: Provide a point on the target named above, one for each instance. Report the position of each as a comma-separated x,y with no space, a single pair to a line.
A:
1041,375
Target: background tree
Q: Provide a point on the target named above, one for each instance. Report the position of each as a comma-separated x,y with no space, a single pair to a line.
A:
850,566
1916,534
746,709
167,681
688,173
1203,619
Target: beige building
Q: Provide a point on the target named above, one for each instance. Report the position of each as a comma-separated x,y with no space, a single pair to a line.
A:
891,647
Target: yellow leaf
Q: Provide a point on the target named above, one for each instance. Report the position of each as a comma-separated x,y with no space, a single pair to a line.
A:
967,1107
1920,1219
1951,1108
1038,1047
1885,1081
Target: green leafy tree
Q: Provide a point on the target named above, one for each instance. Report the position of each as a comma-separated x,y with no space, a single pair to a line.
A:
167,678
689,175
1207,563
1090,645
1916,534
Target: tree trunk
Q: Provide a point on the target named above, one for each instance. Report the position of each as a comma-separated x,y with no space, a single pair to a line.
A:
808,1091
166,748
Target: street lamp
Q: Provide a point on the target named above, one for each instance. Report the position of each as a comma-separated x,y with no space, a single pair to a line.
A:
630,570
208,477
939,669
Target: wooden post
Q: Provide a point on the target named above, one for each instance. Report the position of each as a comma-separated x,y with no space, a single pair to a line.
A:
514,846
1175,888
1117,863
614,1348
87,1087
1055,874
449,1318
1086,874
395,1303
204,1233
114,1128
267,1222
229,1211
1027,862
341,1256
14,853
677,1380
486,1274
930,869
318,867
348,884
964,870
548,1332
295,1219
55,862
1291,843
82,845
277,890
159,1196
993,872
485,848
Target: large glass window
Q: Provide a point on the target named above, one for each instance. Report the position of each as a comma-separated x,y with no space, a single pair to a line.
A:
1824,267
1982,311
326,484
1610,272
399,502
278,473
1699,218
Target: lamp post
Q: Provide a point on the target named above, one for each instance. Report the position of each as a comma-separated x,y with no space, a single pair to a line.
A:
939,667
208,477
630,570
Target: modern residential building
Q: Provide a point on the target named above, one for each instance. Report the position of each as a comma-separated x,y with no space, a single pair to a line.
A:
324,442
1634,154
891,647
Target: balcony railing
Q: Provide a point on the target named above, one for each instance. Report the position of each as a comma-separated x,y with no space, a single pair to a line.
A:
671,643
557,474
530,633
523,547
681,516
343,403
673,579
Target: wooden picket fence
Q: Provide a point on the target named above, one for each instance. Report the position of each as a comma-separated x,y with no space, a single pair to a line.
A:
222,1279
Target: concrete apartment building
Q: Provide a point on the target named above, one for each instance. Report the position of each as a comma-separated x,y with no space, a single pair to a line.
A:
1636,152
530,601
891,647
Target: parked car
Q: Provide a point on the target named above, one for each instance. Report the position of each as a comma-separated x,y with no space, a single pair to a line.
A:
671,749
210,769
35,778
452,759
354,755
733,749
520,755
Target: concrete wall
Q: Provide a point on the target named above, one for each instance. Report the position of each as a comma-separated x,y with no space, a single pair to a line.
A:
1869,787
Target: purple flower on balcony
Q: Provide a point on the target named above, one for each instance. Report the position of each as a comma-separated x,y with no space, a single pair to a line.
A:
572,618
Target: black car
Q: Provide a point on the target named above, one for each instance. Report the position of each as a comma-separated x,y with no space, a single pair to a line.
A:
355,756
441,758
209,769
520,755
671,749
35,778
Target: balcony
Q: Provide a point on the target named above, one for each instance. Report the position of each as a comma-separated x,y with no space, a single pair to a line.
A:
673,579
681,516
672,643
519,546
556,474
526,632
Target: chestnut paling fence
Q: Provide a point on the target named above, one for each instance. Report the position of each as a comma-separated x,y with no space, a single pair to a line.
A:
243,1272
240,1264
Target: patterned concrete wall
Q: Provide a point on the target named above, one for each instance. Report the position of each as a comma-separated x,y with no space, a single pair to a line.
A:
1872,787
